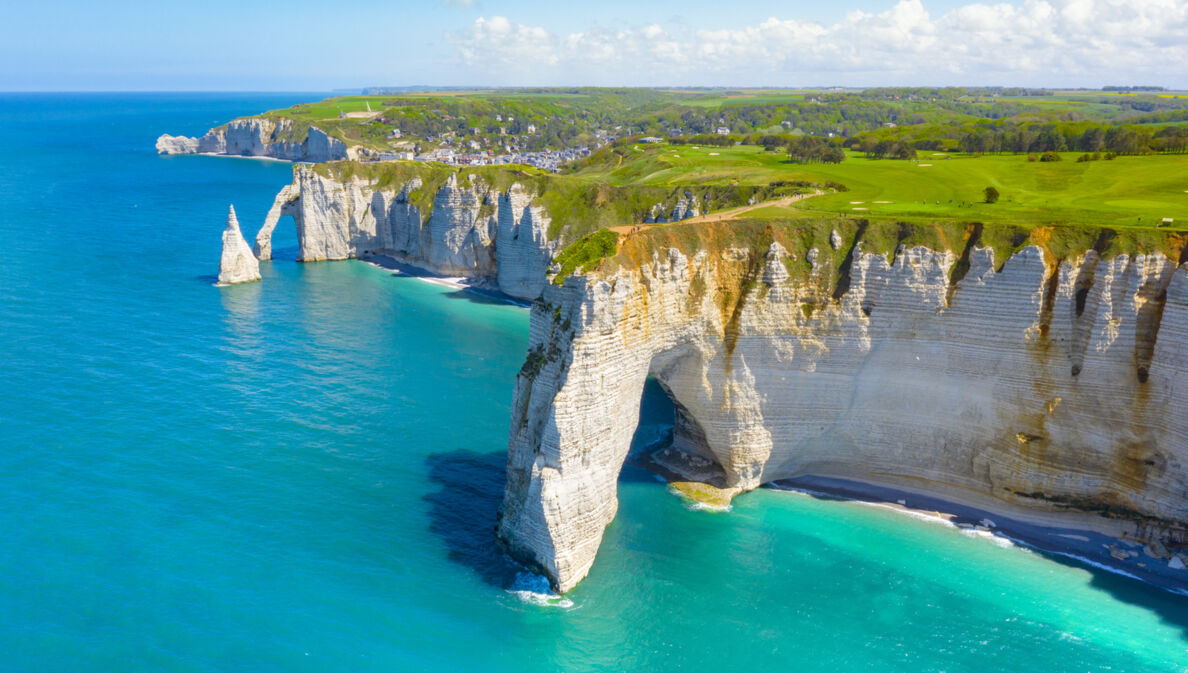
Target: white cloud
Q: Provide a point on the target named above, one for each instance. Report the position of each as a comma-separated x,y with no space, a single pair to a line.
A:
1036,42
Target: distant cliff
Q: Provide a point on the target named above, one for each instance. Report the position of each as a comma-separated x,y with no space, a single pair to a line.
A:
260,137
1038,373
498,225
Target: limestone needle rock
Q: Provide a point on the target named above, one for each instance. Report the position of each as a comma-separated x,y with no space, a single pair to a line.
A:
238,264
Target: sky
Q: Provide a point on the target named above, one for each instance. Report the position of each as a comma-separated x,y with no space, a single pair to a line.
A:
300,45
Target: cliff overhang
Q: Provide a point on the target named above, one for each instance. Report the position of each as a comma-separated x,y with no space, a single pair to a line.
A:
1025,370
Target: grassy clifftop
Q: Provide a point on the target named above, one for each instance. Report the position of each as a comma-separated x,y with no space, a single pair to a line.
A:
799,236
577,207
1129,191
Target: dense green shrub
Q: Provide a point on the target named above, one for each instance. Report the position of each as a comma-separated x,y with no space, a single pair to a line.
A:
586,250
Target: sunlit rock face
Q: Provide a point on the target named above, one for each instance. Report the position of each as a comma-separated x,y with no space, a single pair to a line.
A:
1049,389
470,230
237,264
257,137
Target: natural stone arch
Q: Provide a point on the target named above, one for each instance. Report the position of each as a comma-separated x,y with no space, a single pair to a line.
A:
909,378
286,203
568,448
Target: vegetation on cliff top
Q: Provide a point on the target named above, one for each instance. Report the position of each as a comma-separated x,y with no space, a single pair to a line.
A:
799,236
1131,191
538,118
589,250
576,207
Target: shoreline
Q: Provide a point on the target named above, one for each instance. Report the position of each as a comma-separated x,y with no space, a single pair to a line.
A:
458,283
239,156
1086,548
1116,555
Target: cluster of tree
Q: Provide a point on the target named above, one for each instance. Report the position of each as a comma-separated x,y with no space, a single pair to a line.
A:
1133,88
705,139
1096,156
1033,138
808,149
1046,157
885,149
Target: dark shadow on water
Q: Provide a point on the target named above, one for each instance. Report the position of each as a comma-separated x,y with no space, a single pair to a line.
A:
1169,607
479,295
207,279
463,509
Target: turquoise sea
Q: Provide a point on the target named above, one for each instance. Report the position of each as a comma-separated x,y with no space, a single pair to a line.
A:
302,474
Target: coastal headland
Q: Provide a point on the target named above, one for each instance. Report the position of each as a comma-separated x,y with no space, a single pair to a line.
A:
847,326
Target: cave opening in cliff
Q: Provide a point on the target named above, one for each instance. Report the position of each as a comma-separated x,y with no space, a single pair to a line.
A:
669,441
657,413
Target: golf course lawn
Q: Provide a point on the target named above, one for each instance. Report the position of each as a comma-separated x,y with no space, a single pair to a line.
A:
1129,191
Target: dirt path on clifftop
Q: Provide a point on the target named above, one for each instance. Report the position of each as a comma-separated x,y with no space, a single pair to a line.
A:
720,216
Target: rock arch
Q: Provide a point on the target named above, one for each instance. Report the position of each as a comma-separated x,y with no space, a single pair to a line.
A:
286,203
962,393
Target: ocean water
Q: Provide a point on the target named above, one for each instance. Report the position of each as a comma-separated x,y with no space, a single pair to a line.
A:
302,474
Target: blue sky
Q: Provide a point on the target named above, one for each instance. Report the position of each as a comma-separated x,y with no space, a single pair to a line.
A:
317,46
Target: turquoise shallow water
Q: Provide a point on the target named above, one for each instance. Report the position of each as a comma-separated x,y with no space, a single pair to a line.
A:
302,474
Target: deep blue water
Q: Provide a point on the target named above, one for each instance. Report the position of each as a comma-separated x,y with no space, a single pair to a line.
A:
302,474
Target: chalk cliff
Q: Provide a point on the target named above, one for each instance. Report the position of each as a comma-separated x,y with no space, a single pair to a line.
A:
492,225
238,264
464,227
260,137
1036,373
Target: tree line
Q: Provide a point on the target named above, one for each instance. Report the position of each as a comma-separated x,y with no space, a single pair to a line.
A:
1022,138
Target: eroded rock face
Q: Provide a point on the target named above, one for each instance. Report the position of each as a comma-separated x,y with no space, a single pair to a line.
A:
472,231
1052,391
168,144
238,264
258,137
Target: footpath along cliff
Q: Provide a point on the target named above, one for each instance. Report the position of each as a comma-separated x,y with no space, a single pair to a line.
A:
1035,373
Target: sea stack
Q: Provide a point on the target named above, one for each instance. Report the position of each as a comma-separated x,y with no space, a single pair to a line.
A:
238,264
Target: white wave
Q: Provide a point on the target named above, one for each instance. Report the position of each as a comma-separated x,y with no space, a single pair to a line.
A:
698,506
706,507
535,590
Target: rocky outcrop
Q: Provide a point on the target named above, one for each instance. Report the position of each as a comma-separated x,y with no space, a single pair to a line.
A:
283,204
260,137
168,144
466,228
238,264
1046,387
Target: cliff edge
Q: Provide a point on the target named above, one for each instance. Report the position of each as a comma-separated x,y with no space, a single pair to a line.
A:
1037,373
498,226
260,137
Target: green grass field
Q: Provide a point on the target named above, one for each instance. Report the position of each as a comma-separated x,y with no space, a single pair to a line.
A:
1131,191
331,107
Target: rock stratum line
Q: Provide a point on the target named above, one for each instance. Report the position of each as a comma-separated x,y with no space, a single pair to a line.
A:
1032,372
1044,381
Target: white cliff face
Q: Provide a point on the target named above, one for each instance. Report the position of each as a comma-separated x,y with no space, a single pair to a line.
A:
168,144
472,230
1050,391
259,137
238,264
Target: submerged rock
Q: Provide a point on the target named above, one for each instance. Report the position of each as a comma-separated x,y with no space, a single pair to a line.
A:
238,264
